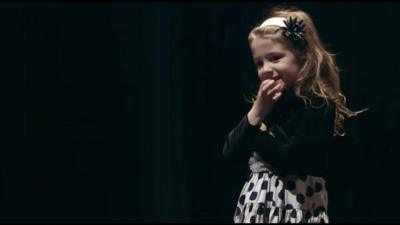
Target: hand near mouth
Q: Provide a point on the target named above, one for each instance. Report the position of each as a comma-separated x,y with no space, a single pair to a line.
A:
268,93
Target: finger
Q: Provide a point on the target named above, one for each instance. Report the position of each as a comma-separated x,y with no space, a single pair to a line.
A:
277,87
267,81
282,84
265,84
269,85
272,89
277,96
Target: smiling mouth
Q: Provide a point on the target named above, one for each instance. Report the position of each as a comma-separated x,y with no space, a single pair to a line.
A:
276,78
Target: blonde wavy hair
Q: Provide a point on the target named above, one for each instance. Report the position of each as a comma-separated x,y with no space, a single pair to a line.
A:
319,74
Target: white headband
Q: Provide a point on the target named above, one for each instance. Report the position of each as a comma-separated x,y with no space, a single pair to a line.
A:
276,21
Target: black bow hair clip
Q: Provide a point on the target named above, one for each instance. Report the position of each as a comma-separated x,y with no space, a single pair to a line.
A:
295,31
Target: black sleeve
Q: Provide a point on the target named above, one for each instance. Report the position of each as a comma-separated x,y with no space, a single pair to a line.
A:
300,145
238,141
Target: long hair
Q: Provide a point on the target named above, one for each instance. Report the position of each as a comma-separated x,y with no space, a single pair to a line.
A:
319,73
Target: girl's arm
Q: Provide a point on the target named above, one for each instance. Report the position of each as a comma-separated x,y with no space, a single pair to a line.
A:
238,141
299,146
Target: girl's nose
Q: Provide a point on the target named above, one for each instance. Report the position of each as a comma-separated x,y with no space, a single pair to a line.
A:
266,71
267,68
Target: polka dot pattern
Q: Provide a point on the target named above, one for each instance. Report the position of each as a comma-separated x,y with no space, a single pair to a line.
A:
269,196
317,187
250,187
237,211
253,219
291,185
309,192
264,185
241,199
267,211
293,214
308,215
253,195
276,183
315,213
289,206
281,194
320,209
276,212
260,210
299,199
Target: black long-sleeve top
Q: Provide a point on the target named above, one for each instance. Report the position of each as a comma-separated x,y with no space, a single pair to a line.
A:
297,139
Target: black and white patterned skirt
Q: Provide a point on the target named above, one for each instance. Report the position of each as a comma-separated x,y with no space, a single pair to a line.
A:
268,198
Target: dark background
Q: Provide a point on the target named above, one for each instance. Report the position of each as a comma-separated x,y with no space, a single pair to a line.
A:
117,112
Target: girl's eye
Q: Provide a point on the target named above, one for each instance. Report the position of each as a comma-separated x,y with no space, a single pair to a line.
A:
258,64
275,58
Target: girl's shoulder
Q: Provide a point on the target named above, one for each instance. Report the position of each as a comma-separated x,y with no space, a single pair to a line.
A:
321,106
318,101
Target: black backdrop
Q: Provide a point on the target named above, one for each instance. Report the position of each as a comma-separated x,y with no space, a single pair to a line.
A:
118,111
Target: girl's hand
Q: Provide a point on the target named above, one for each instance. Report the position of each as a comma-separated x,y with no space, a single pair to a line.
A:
268,93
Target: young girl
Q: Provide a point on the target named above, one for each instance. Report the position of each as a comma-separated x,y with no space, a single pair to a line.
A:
299,107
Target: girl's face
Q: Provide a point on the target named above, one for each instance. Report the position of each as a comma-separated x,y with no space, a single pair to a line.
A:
275,61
